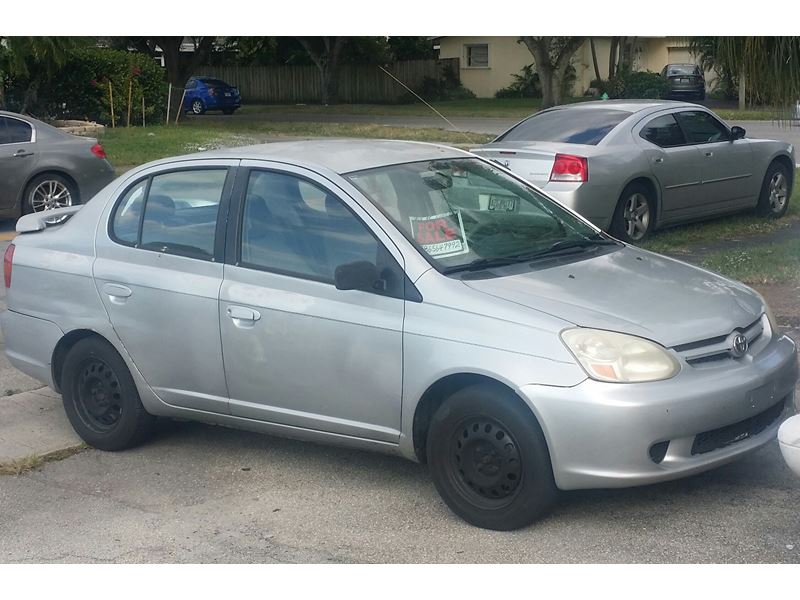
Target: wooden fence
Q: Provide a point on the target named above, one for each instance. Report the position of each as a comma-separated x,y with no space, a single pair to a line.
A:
301,84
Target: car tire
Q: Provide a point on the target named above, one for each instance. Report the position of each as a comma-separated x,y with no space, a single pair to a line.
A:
627,227
197,107
48,191
489,459
776,189
101,399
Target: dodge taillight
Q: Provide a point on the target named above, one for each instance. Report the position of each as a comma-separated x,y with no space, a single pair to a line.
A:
8,263
98,151
570,168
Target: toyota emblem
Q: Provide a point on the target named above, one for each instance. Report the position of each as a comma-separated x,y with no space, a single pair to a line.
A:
739,345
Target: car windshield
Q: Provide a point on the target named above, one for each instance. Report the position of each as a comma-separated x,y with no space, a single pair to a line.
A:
565,125
466,214
673,70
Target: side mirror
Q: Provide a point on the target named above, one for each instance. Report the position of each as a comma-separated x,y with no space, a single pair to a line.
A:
737,132
361,275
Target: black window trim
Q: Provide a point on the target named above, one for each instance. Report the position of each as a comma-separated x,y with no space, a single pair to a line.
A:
233,249
223,211
674,114
30,125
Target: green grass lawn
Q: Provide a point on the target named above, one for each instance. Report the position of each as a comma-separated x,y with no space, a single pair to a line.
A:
679,239
762,264
476,107
128,147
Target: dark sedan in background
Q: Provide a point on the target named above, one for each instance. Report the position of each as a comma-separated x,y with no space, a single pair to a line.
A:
42,167
685,81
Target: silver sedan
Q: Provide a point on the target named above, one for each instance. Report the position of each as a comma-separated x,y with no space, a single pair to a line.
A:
401,297
42,168
631,167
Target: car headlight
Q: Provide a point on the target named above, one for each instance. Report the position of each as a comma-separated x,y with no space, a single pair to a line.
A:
773,322
618,357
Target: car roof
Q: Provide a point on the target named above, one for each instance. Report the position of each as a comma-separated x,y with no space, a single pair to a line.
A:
336,154
631,106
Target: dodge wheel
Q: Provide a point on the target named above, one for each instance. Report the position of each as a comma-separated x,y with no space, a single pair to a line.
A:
489,459
635,214
775,191
100,397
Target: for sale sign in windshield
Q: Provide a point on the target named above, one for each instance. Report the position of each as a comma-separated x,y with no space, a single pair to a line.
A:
440,235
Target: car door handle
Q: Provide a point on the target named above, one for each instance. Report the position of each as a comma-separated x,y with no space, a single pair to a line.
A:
22,154
243,314
709,154
117,293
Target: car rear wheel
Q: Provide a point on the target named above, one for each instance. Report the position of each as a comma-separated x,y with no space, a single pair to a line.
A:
100,397
489,460
198,108
47,192
635,214
773,201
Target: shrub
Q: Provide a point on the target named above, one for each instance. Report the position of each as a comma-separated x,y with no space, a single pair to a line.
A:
446,87
526,84
80,90
637,84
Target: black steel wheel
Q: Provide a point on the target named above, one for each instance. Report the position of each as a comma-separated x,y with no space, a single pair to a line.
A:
100,397
489,459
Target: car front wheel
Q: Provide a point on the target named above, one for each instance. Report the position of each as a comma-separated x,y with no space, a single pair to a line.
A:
773,200
489,460
100,397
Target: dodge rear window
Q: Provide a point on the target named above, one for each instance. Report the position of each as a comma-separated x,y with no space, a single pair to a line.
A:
569,126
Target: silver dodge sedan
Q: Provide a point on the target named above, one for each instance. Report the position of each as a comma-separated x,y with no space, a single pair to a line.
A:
394,296
631,167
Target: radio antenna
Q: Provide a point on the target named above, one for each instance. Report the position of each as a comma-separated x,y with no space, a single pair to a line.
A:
421,99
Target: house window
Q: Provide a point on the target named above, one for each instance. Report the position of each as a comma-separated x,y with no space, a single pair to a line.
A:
478,55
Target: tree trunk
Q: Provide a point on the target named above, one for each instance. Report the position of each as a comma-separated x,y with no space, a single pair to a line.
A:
594,59
742,90
612,57
2,92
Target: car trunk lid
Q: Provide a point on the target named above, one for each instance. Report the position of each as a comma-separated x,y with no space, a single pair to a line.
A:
533,161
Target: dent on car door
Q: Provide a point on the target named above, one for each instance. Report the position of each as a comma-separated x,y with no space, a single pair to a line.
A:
726,164
158,271
675,165
298,351
17,158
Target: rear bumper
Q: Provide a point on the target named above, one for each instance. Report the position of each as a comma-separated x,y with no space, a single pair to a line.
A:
30,343
600,435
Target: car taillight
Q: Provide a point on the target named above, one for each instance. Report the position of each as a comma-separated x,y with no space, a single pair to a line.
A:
570,168
8,263
98,151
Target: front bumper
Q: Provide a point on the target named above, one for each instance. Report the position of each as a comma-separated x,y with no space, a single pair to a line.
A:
600,434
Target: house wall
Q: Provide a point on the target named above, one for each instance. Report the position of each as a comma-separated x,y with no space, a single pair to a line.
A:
507,57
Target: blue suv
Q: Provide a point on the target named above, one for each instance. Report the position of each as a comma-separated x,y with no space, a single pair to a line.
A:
208,93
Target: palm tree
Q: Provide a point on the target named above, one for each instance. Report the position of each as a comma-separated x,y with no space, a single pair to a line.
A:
768,66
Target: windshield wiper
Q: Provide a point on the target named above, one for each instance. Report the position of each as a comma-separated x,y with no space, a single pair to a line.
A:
556,248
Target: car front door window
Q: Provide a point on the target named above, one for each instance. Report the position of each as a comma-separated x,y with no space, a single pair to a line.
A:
702,128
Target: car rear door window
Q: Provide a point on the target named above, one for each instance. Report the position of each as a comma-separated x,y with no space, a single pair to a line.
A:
14,131
702,128
295,227
174,213
663,131
567,125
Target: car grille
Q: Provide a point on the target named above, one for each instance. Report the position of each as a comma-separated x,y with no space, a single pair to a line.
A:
717,349
715,439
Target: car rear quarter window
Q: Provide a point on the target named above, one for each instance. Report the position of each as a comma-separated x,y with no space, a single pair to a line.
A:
568,126
174,213
663,131
702,128
14,131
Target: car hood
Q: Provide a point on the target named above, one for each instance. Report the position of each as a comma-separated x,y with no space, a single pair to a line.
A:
633,291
